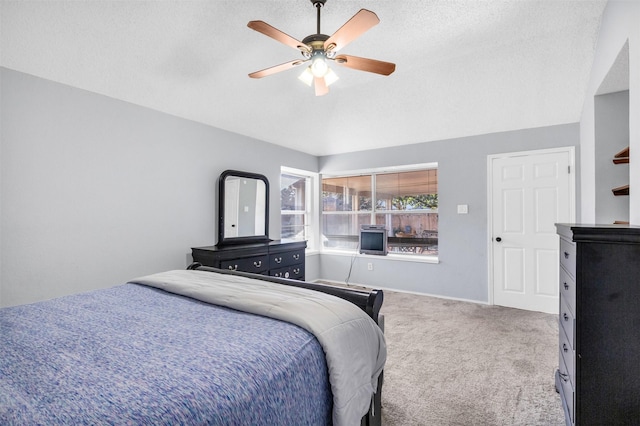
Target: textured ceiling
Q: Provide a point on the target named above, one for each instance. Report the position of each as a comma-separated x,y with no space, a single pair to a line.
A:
464,67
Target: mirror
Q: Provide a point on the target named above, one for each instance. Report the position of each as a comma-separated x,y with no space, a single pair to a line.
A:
243,208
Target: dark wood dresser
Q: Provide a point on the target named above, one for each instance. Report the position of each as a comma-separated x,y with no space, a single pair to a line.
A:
599,334
275,258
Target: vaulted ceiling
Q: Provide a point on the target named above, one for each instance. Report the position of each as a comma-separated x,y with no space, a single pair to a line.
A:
464,67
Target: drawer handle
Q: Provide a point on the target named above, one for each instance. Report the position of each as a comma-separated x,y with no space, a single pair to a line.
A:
566,286
233,267
565,316
257,264
296,271
296,256
278,260
565,348
566,255
564,377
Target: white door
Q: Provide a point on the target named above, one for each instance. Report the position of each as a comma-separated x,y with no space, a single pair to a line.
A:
529,193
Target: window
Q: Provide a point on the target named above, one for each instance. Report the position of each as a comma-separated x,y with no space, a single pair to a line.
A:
296,205
406,202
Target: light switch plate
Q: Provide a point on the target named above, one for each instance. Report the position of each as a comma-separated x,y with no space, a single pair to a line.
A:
463,208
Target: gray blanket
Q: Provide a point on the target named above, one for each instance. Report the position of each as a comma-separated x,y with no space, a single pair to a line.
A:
353,343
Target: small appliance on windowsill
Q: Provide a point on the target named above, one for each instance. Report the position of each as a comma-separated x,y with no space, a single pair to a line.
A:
373,240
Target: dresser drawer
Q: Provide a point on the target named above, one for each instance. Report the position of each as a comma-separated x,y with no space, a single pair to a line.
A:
292,272
568,290
255,264
567,355
565,387
568,256
275,258
282,259
568,323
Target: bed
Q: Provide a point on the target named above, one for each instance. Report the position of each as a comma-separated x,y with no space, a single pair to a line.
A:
196,346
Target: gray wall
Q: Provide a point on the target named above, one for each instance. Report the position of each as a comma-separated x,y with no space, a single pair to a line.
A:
96,191
619,26
612,135
462,179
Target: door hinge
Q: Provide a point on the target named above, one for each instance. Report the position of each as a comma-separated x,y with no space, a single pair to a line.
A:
569,169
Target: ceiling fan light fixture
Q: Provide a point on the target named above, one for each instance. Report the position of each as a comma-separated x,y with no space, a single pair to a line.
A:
306,77
330,77
319,66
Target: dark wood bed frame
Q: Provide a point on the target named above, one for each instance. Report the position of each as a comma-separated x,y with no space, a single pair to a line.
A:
369,301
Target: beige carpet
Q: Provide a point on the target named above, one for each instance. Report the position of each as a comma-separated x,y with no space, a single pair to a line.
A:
460,363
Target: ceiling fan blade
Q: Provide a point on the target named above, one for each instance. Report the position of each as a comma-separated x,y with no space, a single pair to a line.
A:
352,29
320,86
276,34
278,68
364,64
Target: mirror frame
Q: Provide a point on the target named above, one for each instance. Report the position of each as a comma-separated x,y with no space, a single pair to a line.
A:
225,241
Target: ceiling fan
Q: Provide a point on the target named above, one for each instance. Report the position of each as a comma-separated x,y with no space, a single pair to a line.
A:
317,49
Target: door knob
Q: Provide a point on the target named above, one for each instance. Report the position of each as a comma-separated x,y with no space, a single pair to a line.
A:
498,239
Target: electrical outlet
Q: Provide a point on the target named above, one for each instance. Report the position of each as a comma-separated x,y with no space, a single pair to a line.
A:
370,266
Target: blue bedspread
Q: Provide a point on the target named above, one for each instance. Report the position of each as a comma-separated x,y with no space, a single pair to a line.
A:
137,355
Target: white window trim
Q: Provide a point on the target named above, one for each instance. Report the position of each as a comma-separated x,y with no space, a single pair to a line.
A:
390,256
388,169
311,204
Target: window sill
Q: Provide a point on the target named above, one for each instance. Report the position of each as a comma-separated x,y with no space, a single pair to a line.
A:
390,256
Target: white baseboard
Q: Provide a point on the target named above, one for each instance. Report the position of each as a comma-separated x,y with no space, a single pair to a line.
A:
342,283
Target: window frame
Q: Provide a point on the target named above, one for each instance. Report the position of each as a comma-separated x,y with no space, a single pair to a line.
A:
373,212
311,204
